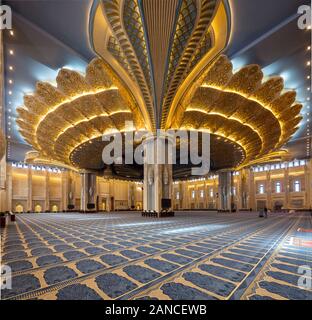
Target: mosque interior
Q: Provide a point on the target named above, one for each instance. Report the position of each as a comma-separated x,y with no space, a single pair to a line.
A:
225,82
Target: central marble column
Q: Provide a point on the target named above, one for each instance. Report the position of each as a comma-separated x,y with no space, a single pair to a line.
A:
225,191
70,193
88,192
157,175
243,191
131,195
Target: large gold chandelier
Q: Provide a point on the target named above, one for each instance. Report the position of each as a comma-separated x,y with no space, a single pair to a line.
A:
171,77
58,120
257,114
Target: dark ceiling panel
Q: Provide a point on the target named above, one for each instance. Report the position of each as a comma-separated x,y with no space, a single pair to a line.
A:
253,18
283,52
66,20
37,57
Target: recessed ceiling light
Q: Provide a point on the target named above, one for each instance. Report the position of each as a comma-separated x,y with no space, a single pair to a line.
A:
11,68
309,48
11,32
10,92
10,81
11,52
308,63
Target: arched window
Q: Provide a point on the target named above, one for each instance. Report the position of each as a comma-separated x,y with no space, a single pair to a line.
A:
297,186
19,208
201,193
278,187
261,189
38,208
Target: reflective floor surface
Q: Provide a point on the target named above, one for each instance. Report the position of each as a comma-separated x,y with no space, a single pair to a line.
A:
194,256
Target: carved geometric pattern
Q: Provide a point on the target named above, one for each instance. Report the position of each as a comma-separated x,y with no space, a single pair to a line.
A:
112,12
184,29
133,26
205,16
114,48
203,48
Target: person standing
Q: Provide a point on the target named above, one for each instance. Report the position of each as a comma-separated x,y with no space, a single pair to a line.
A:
265,212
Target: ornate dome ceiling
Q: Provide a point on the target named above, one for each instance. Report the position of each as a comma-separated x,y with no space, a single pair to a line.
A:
160,67
158,46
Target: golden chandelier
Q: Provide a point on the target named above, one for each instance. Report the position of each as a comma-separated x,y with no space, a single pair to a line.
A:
173,76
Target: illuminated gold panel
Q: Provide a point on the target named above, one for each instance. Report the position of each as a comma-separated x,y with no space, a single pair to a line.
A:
2,145
54,120
228,102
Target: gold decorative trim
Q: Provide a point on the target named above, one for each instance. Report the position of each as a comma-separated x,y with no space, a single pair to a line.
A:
219,29
112,11
208,9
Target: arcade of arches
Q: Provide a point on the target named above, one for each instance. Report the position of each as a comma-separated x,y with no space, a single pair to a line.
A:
285,186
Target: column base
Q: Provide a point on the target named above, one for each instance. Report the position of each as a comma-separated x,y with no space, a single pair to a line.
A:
87,211
155,214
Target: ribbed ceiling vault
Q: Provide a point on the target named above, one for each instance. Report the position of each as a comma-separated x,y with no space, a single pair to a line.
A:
157,43
160,21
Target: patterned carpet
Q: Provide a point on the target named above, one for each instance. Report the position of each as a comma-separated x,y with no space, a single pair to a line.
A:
194,256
